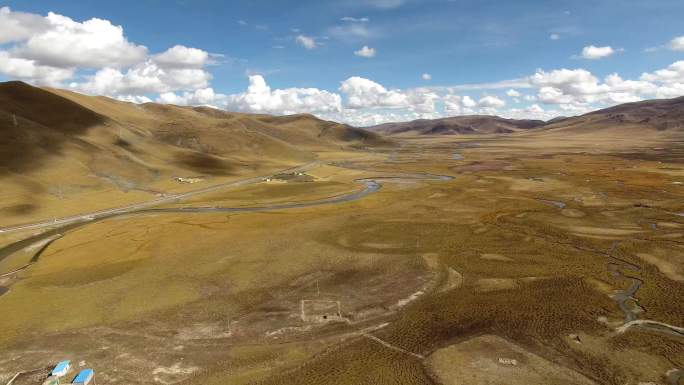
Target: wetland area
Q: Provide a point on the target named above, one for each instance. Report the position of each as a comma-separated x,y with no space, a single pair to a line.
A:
492,258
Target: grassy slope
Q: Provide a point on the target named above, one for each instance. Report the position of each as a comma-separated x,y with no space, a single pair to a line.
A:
63,152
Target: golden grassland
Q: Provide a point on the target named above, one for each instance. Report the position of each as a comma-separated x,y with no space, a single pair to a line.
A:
214,298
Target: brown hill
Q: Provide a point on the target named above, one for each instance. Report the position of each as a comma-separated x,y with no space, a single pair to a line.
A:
470,124
59,148
662,117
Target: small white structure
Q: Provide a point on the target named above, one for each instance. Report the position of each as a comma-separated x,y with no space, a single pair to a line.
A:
181,179
508,361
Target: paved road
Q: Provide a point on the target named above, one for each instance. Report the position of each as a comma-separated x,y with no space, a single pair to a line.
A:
144,205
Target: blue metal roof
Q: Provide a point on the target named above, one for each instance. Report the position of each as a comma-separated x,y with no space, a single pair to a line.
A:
83,376
61,366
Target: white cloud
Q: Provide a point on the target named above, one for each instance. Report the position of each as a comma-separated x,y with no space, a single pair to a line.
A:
180,56
468,102
670,80
673,73
365,93
676,44
259,98
513,93
94,43
200,97
535,109
307,42
593,53
19,26
53,49
490,102
426,76
355,19
144,78
366,52
28,70
137,99
452,104
554,36
421,100
578,84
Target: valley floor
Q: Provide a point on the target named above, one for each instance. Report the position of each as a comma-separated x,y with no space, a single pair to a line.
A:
443,260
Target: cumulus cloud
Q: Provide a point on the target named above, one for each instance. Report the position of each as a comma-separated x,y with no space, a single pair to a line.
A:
307,42
199,97
365,93
566,86
554,36
513,93
54,49
94,43
580,88
468,102
180,56
490,102
676,44
490,105
452,104
594,53
669,81
19,26
260,98
29,70
137,99
366,52
421,100
147,77
426,76
535,109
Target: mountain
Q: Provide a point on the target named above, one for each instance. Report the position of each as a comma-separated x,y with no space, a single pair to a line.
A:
659,117
469,124
59,148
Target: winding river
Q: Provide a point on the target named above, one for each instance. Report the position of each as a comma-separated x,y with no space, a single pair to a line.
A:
371,185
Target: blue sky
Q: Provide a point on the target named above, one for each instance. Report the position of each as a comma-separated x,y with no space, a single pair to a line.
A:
530,58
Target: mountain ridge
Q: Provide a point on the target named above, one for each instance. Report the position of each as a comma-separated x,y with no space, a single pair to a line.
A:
656,114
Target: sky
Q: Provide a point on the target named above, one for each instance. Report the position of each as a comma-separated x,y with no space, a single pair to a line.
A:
361,62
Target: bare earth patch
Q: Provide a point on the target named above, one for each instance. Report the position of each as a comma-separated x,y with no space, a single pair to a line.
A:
671,269
572,213
490,360
496,257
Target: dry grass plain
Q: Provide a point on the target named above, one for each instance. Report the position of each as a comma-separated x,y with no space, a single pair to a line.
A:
422,268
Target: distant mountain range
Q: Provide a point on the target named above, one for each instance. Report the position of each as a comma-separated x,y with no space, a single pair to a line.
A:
469,124
655,115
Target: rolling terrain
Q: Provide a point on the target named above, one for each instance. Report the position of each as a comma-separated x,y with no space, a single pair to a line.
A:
472,124
62,152
299,251
663,117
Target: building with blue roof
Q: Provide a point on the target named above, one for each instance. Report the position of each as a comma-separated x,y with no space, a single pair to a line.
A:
61,369
84,377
